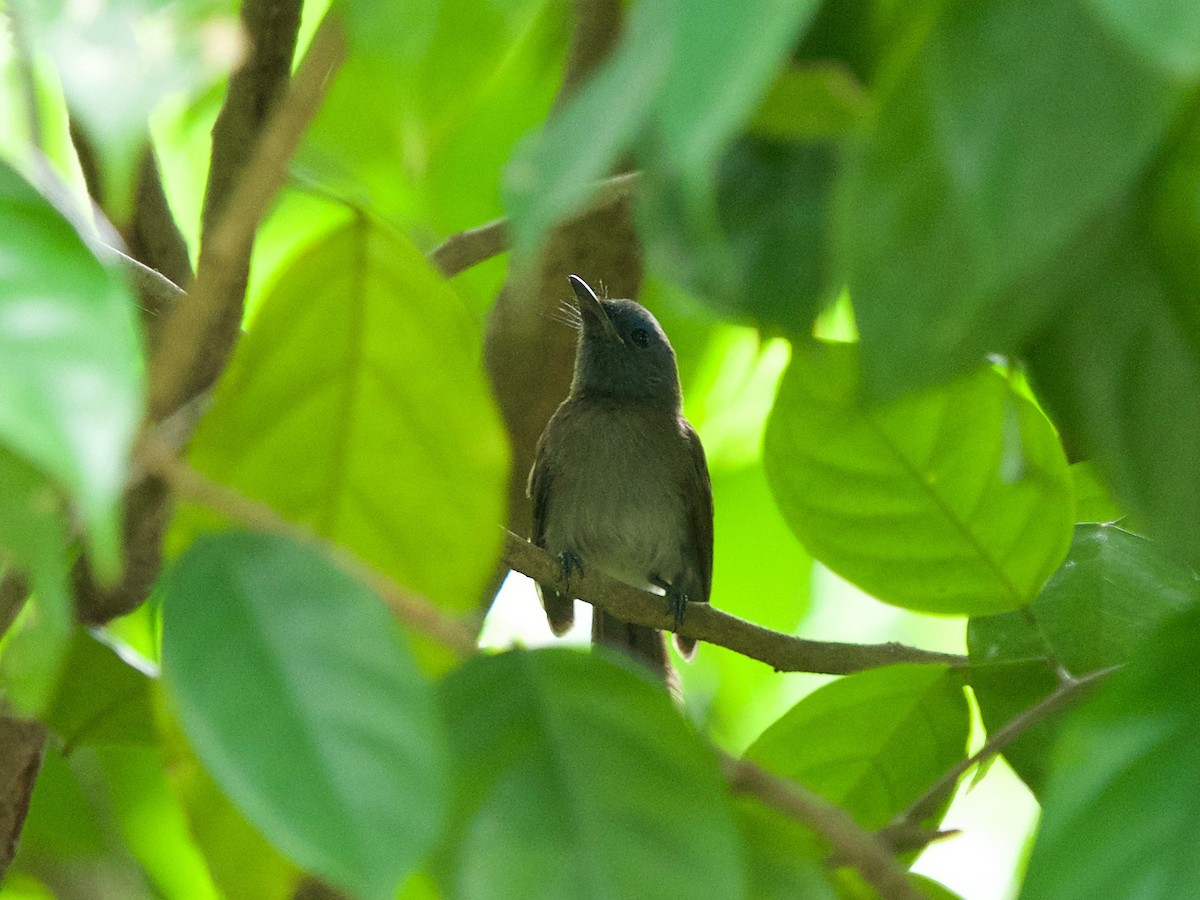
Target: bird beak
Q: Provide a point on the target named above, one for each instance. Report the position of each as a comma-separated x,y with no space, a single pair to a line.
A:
594,315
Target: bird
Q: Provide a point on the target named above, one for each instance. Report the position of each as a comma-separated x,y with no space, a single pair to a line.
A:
620,482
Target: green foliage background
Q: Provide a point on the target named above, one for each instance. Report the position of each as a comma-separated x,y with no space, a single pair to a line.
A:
931,272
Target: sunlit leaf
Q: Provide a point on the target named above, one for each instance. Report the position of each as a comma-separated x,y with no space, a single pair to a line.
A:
131,783
70,369
871,742
118,60
1110,593
357,405
287,673
921,502
576,778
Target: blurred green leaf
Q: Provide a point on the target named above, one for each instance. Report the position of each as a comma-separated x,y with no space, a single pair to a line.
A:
919,501
61,821
1011,128
1120,809
118,60
700,70
723,58
1166,31
130,782
431,100
784,860
766,256
1110,593
816,101
70,361
293,685
552,173
101,698
577,778
357,406
242,863
1112,370
871,742
33,537
1093,500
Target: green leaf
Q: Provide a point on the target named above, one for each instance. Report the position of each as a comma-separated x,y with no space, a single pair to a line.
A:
1011,128
357,406
70,361
1093,500
871,742
956,499
700,70
1110,593
784,860
723,58
816,101
1120,810
33,537
1123,315
767,255
101,698
129,783
118,61
577,778
736,692
294,687
1166,31
552,173
430,102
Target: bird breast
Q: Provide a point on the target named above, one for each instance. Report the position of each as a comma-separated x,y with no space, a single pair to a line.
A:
617,500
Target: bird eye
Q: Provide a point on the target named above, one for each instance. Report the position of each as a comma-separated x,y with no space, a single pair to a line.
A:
640,337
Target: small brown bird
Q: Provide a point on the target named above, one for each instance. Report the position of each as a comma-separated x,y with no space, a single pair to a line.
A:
620,480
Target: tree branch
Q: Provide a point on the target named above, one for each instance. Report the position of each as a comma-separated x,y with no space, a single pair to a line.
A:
783,652
21,743
196,337
14,589
852,844
899,833
469,248
411,608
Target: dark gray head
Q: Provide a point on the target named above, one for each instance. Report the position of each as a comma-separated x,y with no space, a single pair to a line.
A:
623,352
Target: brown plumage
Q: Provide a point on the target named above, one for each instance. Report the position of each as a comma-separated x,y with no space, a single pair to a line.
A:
620,480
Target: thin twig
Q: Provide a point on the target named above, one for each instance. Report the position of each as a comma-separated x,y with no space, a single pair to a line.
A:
157,457
1068,693
186,333
852,844
475,245
783,652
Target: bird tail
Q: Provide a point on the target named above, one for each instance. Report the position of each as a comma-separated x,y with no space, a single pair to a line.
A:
647,645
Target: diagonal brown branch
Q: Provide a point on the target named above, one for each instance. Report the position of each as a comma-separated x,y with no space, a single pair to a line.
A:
196,338
898,833
413,609
783,652
852,844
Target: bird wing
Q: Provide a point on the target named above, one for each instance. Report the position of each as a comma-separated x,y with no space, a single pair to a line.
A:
698,496
560,610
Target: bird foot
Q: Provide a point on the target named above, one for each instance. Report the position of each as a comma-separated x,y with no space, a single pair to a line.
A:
677,600
569,562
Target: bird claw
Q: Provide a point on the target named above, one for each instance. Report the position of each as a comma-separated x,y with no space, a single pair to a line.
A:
569,561
677,600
